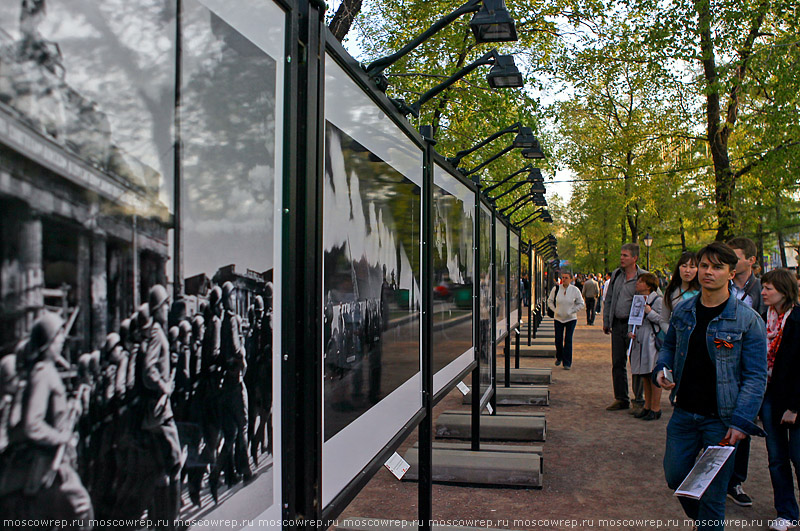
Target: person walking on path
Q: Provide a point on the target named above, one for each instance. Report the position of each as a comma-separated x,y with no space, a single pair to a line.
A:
747,288
714,362
684,285
616,309
643,350
565,301
590,293
782,399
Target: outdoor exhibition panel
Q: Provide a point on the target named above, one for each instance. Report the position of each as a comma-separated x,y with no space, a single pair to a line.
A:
453,274
142,147
501,277
514,278
371,280
486,346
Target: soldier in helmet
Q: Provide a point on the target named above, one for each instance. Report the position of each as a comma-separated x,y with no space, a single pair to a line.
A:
233,456
47,486
161,437
258,352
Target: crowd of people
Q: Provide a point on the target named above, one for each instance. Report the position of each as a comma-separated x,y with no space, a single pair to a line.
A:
157,410
724,342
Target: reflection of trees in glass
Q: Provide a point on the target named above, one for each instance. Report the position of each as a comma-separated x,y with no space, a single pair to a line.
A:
373,209
502,262
485,234
97,77
515,272
228,131
452,228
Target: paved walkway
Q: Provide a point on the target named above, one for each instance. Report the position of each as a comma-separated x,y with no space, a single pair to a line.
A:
602,470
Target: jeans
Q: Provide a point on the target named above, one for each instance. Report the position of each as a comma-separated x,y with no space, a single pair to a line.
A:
741,462
619,358
564,344
783,449
590,311
687,435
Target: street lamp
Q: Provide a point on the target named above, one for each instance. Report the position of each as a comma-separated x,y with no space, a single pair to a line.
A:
533,152
648,241
503,74
491,23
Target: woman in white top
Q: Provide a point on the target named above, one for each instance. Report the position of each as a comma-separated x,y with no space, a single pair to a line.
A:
565,301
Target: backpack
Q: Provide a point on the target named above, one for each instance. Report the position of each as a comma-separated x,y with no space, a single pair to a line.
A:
551,313
660,335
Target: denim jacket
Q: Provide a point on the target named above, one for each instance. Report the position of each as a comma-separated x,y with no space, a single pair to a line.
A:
737,344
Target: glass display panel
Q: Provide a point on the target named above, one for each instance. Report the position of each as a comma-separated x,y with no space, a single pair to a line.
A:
501,268
514,280
485,269
152,309
371,280
453,273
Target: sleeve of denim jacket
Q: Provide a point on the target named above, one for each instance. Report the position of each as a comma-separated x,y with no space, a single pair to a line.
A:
666,356
753,382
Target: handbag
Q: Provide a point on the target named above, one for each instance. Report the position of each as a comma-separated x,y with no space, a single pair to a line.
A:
551,313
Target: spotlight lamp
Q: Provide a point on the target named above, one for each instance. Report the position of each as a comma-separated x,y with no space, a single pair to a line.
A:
523,140
504,74
491,23
533,152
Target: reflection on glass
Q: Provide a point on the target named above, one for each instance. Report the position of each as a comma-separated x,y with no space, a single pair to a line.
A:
515,275
452,278
371,272
501,265
172,375
485,235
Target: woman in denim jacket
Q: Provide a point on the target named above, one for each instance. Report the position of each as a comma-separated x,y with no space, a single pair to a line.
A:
719,374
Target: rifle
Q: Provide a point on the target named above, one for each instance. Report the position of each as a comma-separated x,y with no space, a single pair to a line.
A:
59,359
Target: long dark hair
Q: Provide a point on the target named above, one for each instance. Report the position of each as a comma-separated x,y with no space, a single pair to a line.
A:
676,281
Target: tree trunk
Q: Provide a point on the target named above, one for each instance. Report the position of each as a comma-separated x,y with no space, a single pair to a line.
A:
683,236
344,17
779,224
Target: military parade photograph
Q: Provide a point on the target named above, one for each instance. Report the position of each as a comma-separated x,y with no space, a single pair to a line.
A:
138,289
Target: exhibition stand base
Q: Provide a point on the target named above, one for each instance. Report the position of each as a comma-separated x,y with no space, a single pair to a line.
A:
357,523
527,376
505,426
528,395
537,351
493,466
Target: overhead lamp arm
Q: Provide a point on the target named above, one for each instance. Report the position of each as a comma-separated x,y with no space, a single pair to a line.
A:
515,187
527,167
489,58
488,161
539,210
519,203
463,153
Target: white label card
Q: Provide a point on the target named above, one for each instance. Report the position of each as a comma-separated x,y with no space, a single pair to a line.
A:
490,409
463,388
397,466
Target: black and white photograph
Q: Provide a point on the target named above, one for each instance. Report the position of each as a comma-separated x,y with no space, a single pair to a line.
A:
371,280
501,267
514,279
138,298
453,273
486,302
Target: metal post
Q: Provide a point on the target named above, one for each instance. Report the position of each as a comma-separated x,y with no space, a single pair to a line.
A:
507,347
477,392
493,317
425,493
301,330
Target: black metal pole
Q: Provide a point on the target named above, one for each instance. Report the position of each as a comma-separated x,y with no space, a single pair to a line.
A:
477,392
507,348
301,277
493,400
517,303
426,426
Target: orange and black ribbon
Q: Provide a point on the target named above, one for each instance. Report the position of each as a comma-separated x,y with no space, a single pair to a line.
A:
722,343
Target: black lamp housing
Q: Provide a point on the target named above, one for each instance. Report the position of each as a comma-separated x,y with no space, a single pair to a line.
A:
524,138
493,23
504,73
533,152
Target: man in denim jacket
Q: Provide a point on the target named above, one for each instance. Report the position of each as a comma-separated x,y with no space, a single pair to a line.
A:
716,350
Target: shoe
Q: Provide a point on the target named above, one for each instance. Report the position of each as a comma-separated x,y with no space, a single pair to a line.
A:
739,496
617,405
635,410
558,362
780,524
642,413
652,415
567,367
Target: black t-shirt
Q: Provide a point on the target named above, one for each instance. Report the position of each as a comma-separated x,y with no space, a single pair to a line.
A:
698,389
